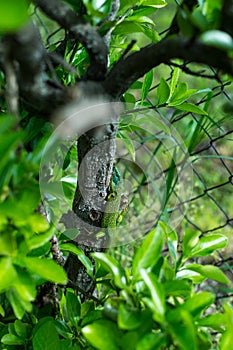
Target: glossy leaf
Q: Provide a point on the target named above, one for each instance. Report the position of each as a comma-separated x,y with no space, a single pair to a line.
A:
103,335
209,271
163,92
215,321
11,339
73,308
147,82
21,329
46,269
178,288
189,107
218,39
190,240
181,94
198,303
7,273
209,244
25,285
46,337
152,341
157,302
171,239
227,337
149,252
69,247
8,244
174,80
129,144
39,240
19,305
128,318
182,329
114,267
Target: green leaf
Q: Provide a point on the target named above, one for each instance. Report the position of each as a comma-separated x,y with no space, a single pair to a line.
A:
129,318
19,305
197,278
40,239
163,91
152,341
227,337
2,311
46,269
46,337
25,285
182,329
129,144
147,82
181,289
209,271
217,38
181,94
171,239
157,301
11,339
21,329
69,247
148,254
13,14
114,267
8,244
198,303
174,81
189,107
7,273
190,240
103,335
208,244
129,340
184,23
73,308
215,321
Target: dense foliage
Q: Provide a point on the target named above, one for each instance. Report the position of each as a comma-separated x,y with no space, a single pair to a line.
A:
163,286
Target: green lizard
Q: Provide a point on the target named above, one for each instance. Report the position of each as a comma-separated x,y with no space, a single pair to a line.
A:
113,209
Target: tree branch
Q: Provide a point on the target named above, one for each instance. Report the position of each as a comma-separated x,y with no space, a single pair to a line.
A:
26,49
84,32
128,70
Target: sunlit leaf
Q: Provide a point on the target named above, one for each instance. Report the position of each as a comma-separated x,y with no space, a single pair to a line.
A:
149,252
163,91
129,318
209,244
11,339
147,82
157,301
182,329
209,271
114,267
69,247
198,303
189,107
103,335
218,39
46,269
